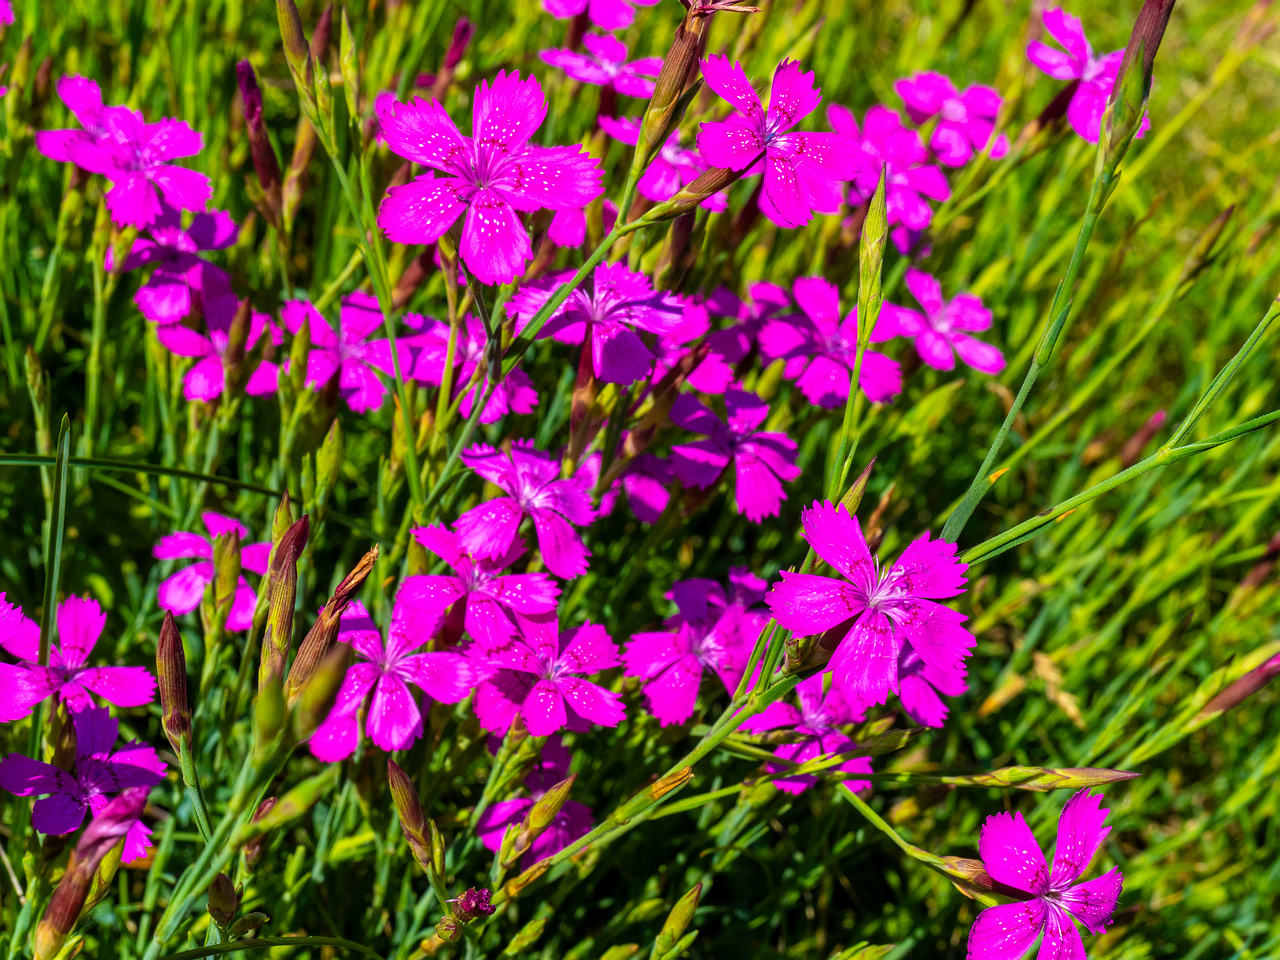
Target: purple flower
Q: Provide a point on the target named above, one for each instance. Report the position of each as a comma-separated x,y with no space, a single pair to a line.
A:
821,348
645,480
967,119
6,13
940,329
205,380
1096,75
604,65
100,770
478,598
380,678
873,611
348,354
182,592
713,632
171,249
818,720
431,347
604,309
761,461
530,480
80,624
130,153
791,160
908,177
1051,898
489,176
568,228
919,686
573,821
605,14
672,168
532,674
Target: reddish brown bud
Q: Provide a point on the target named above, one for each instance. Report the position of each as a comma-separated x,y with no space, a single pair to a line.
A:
171,674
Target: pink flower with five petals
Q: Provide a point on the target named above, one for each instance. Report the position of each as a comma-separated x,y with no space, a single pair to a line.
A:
943,329
605,65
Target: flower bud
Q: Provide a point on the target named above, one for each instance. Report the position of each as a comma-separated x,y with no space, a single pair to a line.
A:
519,884
541,815
224,902
265,163
349,65
247,924
234,373
526,938
689,197
677,922
463,31
320,692
413,821
875,231
474,903
296,51
324,631
672,781
449,930
171,674
1239,691
220,594
282,587
252,851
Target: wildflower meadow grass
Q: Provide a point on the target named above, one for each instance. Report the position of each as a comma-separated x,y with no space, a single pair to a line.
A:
586,479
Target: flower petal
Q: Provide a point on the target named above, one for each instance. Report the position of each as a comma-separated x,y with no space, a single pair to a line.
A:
1006,932
1011,854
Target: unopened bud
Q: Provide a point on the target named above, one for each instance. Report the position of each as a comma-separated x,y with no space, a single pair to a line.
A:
449,930
319,639
519,884
321,691
541,815
247,924
672,781
1239,691
296,51
224,903
413,821
171,674
1203,253
282,587
677,922
252,851
875,231
265,163
1124,113
689,197
526,938
233,368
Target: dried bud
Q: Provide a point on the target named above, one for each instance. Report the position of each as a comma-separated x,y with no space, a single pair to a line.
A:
324,631
252,851
518,885
320,691
265,163
224,902
171,673
672,781
474,903
689,197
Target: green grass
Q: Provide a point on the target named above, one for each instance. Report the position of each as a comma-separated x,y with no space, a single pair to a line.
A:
1098,641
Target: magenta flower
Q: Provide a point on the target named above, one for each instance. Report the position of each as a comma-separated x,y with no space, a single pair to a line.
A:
645,480
533,675
477,597
604,309
605,14
573,821
790,158
920,686
761,461
431,351
873,611
821,348
379,680
1096,75
6,13
568,228
530,480
80,623
1051,899
604,65
348,354
671,168
966,120
712,632
909,178
818,720
488,176
133,155
940,330
182,592
205,380
100,770
171,249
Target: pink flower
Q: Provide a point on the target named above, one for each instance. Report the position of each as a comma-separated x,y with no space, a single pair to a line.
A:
821,348
100,770
80,624
477,598
348,354
6,13
489,176
604,309
672,168
873,611
967,119
791,160
1096,75
713,632
205,380
379,680
761,461
909,179
171,249
604,65
431,348
1051,898
940,329
573,821
919,686
182,592
818,720
645,480
530,480
568,228
130,153
533,675
605,14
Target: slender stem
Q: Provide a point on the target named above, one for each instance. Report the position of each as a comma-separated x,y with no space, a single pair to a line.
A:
192,780
259,943
52,568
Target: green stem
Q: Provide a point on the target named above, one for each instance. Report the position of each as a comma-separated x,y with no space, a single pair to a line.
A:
192,780
259,943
